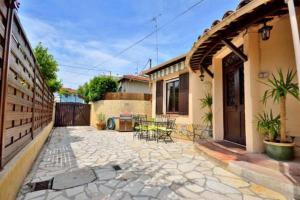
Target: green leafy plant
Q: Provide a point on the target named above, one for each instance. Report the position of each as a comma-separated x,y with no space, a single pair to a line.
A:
268,125
97,87
207,102
279,88
101,117
83,92
48,66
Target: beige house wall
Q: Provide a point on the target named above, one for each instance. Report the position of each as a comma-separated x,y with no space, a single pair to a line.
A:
113,108
197,90
263,56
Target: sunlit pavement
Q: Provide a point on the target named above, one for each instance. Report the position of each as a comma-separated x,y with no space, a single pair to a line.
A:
149,170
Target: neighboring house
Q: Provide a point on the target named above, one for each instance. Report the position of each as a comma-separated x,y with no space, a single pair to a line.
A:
176,91
71,96
237,55
134,84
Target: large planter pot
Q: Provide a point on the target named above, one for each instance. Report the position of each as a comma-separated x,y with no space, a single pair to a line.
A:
280,151
101,125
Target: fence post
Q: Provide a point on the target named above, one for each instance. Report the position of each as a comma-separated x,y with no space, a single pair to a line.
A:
4,72
33,102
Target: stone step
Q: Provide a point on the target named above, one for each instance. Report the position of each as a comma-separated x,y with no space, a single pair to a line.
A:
267,177
280,176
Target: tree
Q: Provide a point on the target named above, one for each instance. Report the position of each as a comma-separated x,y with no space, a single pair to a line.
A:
48,67
96,88
83,92
279,88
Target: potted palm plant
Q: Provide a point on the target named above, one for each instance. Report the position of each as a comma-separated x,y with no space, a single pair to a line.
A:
207,102
279,88
268,125
101,121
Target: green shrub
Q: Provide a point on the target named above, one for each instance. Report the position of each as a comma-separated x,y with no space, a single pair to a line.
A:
83,92
97,87
268,125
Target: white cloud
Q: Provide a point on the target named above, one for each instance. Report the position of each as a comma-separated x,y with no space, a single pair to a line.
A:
71,51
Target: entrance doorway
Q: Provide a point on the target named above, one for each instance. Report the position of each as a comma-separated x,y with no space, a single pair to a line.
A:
234,106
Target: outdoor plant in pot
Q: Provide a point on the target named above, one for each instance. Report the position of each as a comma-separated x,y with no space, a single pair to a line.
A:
206,102
101,121
279,87
268,125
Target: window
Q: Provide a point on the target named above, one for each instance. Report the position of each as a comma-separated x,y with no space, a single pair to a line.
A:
173,96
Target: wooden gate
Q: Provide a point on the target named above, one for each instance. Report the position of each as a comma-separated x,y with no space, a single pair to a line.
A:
72,114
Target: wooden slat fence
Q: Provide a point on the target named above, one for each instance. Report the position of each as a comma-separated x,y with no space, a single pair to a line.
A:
26,101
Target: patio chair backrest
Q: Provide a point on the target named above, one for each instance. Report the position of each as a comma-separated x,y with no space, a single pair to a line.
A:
171,123
162,118
145,123
140,118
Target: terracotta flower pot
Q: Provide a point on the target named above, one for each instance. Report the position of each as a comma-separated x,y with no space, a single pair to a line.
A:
280,151
101,125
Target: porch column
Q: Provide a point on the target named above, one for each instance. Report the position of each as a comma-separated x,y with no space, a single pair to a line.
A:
254,140
295,34
153,90
217,91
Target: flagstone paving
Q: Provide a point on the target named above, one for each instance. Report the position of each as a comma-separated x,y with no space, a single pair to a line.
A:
149,170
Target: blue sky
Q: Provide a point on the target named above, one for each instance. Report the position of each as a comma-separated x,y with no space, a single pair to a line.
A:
87,34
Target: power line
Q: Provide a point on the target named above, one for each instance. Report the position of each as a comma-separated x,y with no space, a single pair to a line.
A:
153,32
80,74
143,38
85,68
92,75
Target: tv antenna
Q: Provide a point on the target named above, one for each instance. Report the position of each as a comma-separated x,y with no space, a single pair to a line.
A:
155,20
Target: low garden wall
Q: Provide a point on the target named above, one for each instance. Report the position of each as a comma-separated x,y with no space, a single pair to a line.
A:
14,172
120,103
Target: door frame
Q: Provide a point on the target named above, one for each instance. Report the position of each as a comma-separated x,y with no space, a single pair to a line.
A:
235,62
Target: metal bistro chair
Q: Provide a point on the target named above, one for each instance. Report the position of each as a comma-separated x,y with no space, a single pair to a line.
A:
138,124
145,129
165,130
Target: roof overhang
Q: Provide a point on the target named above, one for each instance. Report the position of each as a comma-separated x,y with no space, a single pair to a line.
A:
232,25
165,64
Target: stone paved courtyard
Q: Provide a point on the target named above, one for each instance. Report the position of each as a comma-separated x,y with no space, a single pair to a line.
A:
149,170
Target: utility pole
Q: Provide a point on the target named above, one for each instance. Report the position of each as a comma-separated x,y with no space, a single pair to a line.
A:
155,20
150,62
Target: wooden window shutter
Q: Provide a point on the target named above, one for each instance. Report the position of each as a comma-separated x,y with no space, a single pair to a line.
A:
184,94
159,97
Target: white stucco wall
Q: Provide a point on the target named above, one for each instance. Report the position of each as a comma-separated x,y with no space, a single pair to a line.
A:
135,87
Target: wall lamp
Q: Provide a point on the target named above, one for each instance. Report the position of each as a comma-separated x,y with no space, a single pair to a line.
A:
265,31
201,74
